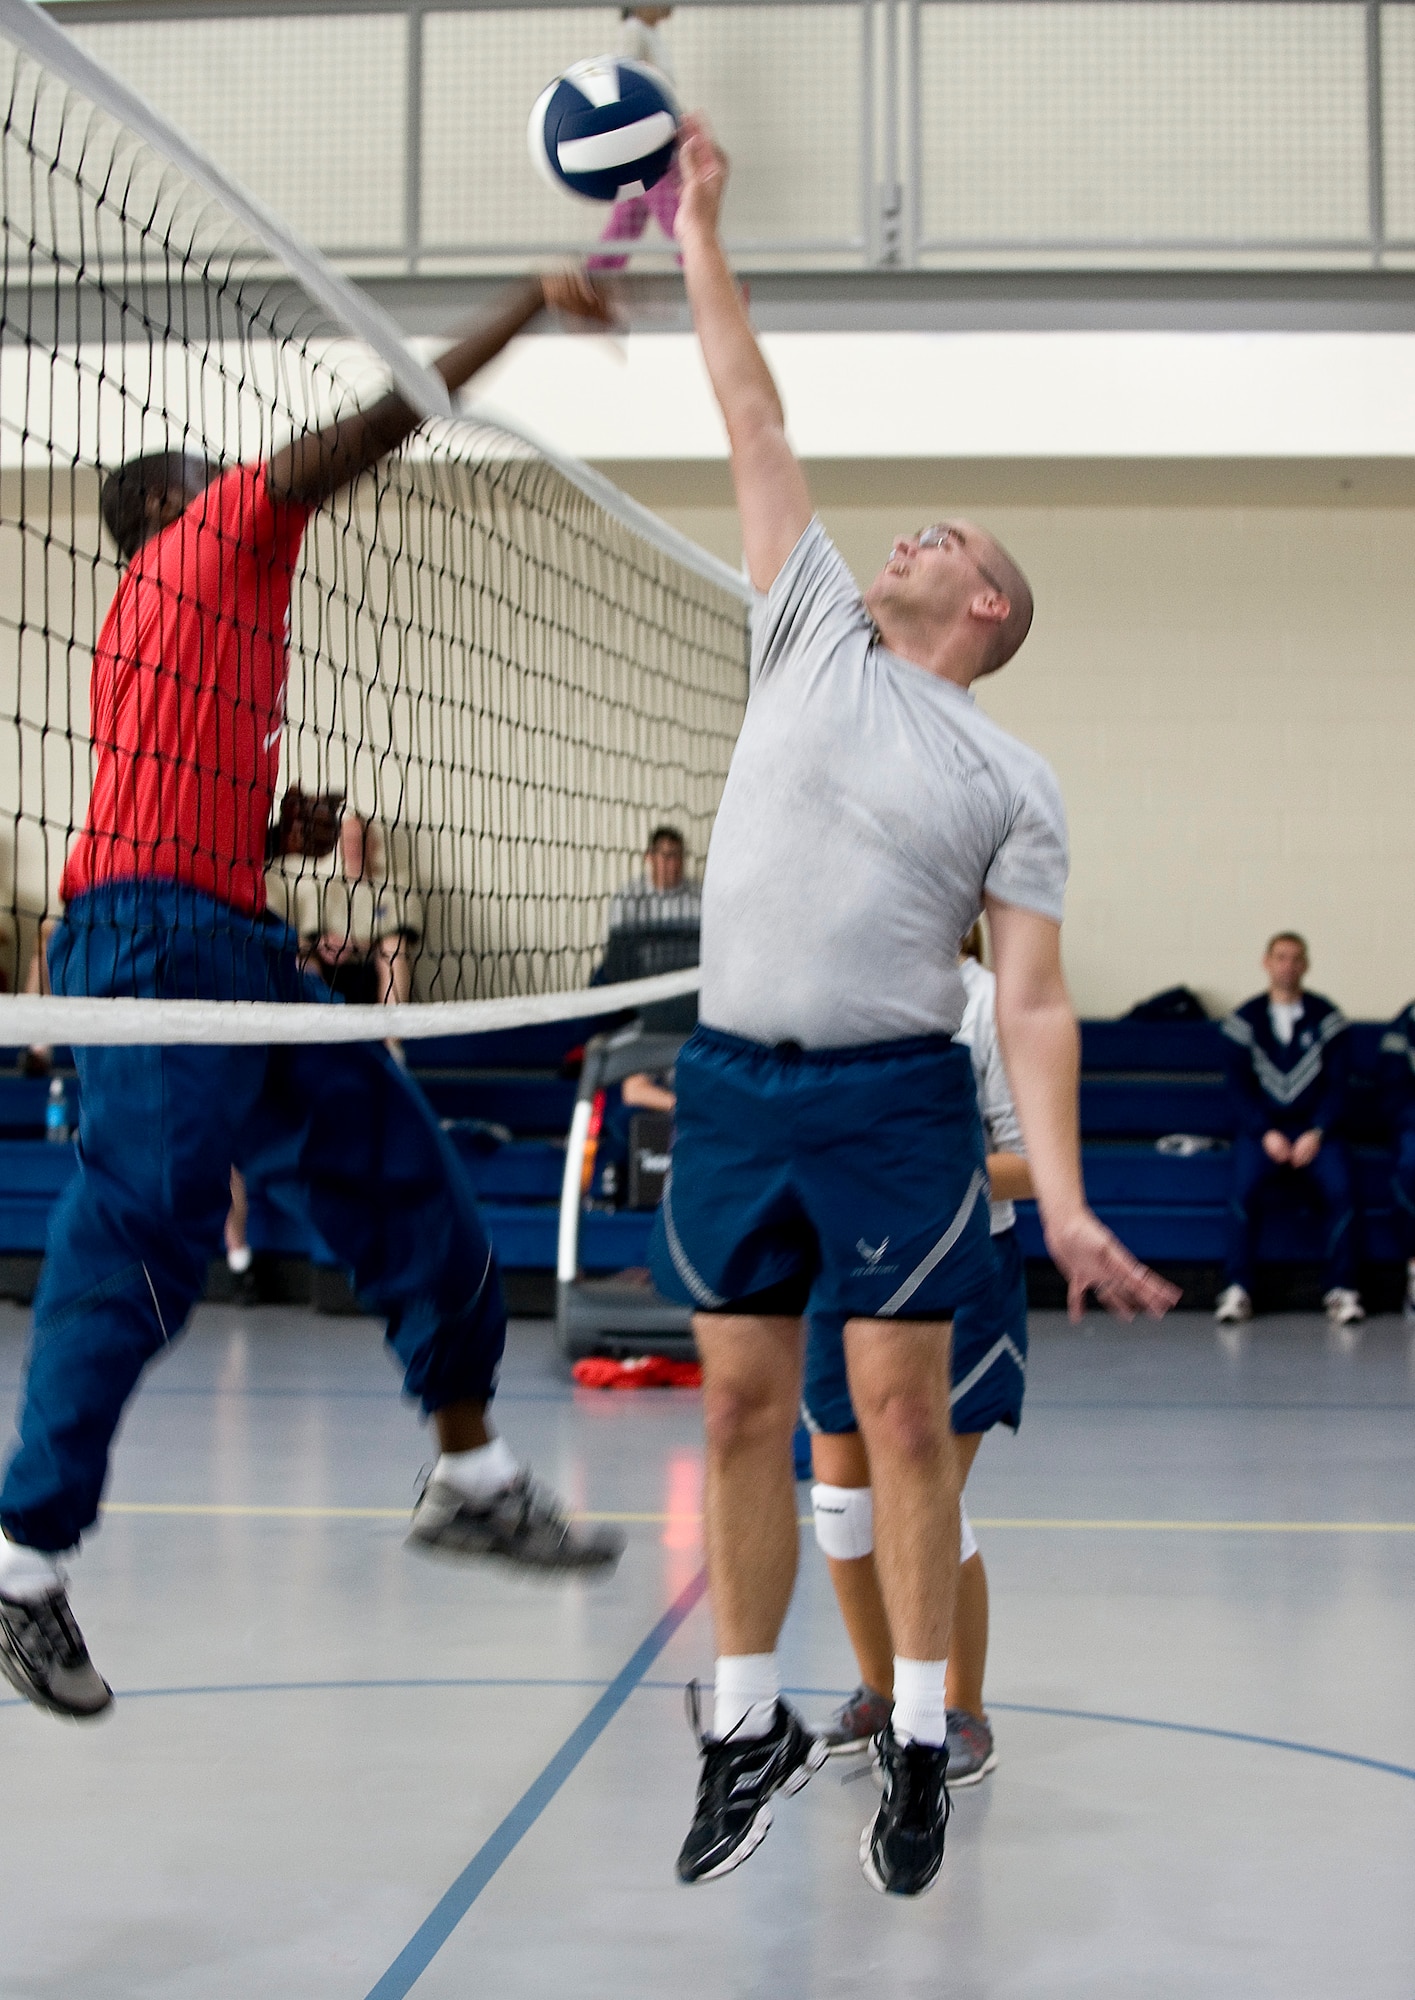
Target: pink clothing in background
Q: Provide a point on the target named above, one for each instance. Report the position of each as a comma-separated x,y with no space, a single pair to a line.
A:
629,219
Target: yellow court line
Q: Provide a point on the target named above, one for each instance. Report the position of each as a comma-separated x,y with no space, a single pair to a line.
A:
1212,1527
1052,1523
241,1512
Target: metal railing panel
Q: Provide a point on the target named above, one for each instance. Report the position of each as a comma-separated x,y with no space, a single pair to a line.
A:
307,111
483,69
863,132
1167,123
1397,103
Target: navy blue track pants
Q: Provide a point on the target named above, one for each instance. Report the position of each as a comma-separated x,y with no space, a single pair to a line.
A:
338,1133
1255,1177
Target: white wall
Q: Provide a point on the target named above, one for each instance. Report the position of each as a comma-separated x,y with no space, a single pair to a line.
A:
1228,695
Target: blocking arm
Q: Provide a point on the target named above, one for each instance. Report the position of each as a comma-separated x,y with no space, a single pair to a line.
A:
314,466
773,500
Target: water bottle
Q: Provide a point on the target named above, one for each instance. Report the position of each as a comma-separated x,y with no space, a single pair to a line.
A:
56,1113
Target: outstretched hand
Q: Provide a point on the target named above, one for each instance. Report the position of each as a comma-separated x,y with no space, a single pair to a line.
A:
579,296
703,170
1092,1260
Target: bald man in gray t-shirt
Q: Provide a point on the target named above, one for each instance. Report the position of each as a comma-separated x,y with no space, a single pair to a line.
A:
888,803
827,1151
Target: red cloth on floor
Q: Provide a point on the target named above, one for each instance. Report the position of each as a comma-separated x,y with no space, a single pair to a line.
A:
645,1371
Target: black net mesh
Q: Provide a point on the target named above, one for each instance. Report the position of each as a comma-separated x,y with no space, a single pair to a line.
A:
496,685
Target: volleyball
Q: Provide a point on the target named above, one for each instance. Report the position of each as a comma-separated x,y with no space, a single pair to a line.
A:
605,128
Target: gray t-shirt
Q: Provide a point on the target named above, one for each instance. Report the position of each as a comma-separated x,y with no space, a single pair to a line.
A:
868,806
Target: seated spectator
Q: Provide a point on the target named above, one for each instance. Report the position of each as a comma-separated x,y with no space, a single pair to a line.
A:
299,849
327,877
330,879
660,896
1286,1059
1398,1089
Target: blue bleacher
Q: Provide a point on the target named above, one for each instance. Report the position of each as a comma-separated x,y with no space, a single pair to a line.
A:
1140,1081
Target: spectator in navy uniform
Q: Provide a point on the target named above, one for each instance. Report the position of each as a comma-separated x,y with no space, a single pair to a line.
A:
1287,1064
1398,1090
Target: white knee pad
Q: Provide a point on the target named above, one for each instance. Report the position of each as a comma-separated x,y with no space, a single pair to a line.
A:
967,1540
845,1520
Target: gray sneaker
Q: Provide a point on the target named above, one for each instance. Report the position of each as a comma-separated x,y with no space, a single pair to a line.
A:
856,1723
526,1525
43,1656
971,1753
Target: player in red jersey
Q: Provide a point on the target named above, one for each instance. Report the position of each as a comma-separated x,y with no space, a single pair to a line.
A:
164,898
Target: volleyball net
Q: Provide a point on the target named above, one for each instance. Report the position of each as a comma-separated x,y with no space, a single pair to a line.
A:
503,674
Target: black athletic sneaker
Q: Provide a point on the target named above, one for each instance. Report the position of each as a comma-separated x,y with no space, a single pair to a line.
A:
901,1850
739,1775
526,1524
43,1656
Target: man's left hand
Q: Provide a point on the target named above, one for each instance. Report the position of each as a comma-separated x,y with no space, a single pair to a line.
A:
1091,1259
1306,1148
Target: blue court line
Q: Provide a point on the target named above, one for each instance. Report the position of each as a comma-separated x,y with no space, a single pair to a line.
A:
1199,1729
435,1929
627,1681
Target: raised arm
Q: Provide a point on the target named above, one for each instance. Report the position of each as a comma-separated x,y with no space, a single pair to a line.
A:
1042,1051
773,500
312,467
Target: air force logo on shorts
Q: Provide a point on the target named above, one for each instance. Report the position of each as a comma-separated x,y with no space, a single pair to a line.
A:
850,1180
987,1356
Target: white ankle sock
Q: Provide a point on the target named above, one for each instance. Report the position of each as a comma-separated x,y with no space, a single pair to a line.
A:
747,1688
479,1474
26,1575
920,1710
238,1259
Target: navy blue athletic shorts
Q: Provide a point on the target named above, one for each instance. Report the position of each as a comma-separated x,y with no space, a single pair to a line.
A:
847,1181
988,1356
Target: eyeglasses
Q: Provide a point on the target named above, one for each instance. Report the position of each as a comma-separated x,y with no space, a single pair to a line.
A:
943,536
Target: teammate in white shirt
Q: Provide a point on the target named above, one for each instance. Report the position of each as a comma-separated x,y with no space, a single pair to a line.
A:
989,1353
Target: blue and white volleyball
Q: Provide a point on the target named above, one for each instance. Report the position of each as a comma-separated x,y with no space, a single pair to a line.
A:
605,128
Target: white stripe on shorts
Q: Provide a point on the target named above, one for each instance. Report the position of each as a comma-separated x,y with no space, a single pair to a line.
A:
936,1256
702,1292
975,1375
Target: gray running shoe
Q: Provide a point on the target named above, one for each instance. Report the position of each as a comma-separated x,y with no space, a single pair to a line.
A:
971,1753
526,1525
856,1723
43,1656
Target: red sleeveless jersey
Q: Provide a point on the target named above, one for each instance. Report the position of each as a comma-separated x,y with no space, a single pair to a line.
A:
187,699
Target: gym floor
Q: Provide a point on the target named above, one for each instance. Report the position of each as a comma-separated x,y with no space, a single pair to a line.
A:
337,1770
